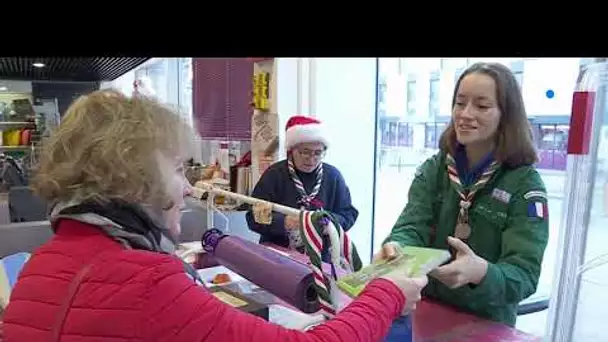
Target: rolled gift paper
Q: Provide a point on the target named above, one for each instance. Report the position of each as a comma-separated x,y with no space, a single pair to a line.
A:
284,277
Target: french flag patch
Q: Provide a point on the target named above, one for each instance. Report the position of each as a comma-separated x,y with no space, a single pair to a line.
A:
538,210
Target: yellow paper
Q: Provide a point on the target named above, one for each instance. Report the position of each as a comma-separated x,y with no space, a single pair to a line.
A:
228,299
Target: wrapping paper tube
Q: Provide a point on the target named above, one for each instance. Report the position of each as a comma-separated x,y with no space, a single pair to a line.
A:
280,275
201,187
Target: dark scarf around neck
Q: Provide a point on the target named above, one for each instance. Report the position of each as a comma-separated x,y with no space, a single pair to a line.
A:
128,223
130,218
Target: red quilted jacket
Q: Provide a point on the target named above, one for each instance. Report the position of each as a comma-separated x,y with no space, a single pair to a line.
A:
134,295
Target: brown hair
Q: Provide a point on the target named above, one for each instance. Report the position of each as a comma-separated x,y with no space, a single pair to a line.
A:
106,147
514,138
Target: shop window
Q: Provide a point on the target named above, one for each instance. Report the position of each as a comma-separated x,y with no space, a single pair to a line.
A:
405,134
392,134
157,73
453,63
552,146
586,61
382,91
387,132
457,74
185,87
519,76
433,132
554,137
161,77
383,132
411,97
395,175
517,67
434,96
140,73
430,138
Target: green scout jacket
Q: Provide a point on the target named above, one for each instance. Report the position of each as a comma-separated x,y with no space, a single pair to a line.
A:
508,229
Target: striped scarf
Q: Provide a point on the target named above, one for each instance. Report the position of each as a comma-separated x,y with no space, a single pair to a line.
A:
313,225
305,198
467,195
305,201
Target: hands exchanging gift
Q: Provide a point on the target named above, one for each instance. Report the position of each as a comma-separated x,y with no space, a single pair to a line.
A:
389,251
467,268
411,287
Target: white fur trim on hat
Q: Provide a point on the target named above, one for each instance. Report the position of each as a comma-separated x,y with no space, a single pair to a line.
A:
298,134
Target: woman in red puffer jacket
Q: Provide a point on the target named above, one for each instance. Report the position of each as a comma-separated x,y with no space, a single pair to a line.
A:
113,171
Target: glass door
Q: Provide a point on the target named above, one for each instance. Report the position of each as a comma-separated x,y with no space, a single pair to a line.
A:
579,303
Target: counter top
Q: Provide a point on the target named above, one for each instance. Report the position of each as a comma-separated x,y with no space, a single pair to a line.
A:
434,322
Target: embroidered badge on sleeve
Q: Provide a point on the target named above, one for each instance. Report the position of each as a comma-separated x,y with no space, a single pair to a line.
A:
537,204
535,193
538,209
501,195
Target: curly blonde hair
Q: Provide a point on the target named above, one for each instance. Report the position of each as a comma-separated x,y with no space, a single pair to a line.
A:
106,148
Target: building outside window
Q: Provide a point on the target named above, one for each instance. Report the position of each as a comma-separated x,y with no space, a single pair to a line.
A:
411,98
433,132
405,134
430,137
434,96
381,91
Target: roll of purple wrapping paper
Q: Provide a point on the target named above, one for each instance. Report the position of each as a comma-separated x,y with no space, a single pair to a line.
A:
282,276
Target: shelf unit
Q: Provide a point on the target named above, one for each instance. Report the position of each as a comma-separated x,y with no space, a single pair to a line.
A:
20,148
16,124
27,153
6,125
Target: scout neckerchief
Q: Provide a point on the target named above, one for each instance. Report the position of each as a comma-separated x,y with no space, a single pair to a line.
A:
305,198
295,238
463,229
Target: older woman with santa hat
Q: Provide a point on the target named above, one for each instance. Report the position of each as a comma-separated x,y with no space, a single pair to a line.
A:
302,181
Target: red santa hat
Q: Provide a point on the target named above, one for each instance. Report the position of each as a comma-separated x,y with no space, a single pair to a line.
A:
304,129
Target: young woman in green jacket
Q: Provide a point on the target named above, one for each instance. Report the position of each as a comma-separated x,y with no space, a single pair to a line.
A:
481,198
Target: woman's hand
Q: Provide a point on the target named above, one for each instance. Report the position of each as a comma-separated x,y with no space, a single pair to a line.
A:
410,287
468,268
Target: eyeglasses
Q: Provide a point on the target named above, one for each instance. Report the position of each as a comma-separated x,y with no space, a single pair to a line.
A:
312,154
